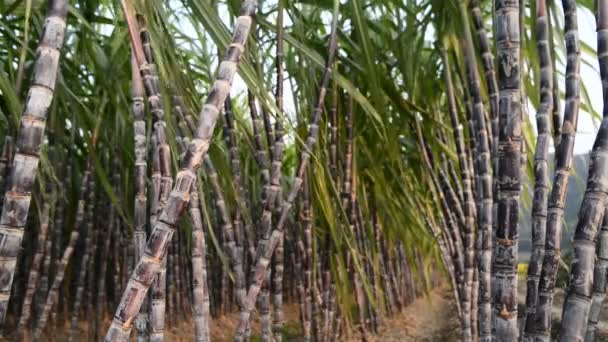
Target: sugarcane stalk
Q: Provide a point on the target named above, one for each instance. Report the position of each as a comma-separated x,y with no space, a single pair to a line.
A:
83,267
149,75
599,282
468,203
277,156
483,172
490,75
261,154
6,159
199,271
32,282
53,292
509,177
242,227
541,167
235,257
43,285
112,225
149,265
580,290
140,216
563,166
18,193
556,122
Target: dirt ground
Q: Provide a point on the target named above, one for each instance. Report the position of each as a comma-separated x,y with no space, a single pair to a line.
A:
428,318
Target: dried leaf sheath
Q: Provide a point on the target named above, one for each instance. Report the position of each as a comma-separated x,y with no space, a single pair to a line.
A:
17,198
149,265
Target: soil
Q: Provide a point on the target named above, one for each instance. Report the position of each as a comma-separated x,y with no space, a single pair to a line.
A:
428,318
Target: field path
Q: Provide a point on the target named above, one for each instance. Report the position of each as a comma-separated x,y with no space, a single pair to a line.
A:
428,318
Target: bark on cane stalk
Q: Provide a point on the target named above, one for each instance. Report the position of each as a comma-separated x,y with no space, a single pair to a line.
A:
468,202
6,159
261,154
83,266
483,171
43,286
541,167
22,177
235,258
149,265
555,213
242,227
277,155
32,281
599,282
199,271
556,122
147,68
269,242
509,177
113,224
490,75
140,216
53,292
579,293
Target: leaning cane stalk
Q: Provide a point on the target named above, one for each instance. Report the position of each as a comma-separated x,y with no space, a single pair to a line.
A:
16,204
269,241
228,231
141,166
149,264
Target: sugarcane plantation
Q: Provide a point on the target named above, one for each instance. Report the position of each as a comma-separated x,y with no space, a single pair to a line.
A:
314,170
